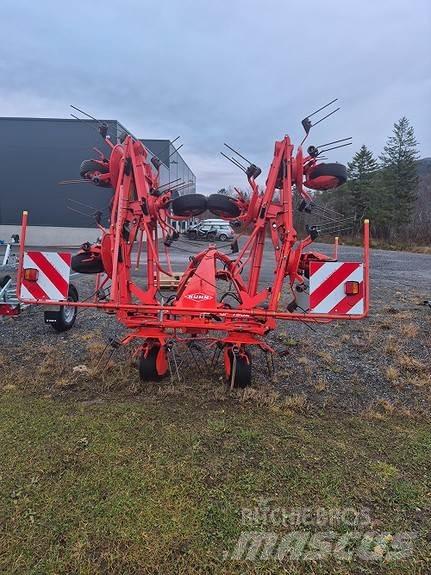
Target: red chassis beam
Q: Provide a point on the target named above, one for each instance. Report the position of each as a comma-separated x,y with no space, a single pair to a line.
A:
223,313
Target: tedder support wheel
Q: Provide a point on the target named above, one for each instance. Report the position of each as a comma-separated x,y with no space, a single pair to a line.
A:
149,367
189,205
223,206
242,377
326,176
87,263
67,314
88,166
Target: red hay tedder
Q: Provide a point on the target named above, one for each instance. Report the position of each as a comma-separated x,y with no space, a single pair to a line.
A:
307,286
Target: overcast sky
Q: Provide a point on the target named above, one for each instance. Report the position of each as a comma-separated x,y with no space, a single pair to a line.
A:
240,71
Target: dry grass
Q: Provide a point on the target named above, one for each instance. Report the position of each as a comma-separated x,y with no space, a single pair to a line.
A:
392,373
405,315
303,360
288,340
297,402
421,249
96,348
87,336
410,363
386,471
392,346
326,357
8,387
409,330
365,339
262,397
385,406
381,409
321,384
372,414
403,247
420,381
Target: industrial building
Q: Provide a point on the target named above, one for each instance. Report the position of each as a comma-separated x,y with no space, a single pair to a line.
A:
36,154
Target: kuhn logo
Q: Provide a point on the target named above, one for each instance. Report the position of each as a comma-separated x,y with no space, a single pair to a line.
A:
198,296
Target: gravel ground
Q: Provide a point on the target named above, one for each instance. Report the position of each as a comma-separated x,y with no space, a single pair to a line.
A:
379,364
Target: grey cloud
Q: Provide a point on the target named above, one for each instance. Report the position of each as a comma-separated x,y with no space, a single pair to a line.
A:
245,72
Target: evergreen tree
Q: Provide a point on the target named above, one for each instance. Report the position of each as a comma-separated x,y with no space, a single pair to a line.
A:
362,172
399,176
366,199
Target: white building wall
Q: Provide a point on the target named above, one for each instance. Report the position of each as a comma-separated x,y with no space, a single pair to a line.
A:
51,236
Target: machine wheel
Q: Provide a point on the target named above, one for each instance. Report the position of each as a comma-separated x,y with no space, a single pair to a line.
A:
4,280
189,205
148,365
222,237
242,377
89,166
67,314
87,263
223,206
326,176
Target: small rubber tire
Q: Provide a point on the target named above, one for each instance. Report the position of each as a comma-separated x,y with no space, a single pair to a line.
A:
147,366
67,315
189,205
223,206
4,280
88,166
243,370
222,237
87,263
321,176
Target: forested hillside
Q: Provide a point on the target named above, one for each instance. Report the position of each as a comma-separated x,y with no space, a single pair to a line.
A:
393,190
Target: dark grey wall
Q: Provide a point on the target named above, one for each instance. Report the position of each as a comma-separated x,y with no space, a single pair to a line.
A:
35,155
160,148
179,171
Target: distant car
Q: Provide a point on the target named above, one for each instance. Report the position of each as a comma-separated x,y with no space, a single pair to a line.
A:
210,230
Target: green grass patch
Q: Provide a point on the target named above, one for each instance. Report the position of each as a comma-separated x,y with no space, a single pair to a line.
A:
158,486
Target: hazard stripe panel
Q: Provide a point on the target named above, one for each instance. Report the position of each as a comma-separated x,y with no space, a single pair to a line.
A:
327,288
52,282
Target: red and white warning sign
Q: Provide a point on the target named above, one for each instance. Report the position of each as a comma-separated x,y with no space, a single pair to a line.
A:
336,288
45,275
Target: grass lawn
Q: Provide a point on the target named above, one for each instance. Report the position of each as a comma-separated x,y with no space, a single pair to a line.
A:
158,485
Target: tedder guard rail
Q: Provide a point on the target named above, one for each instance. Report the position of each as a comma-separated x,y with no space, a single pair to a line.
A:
258,313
